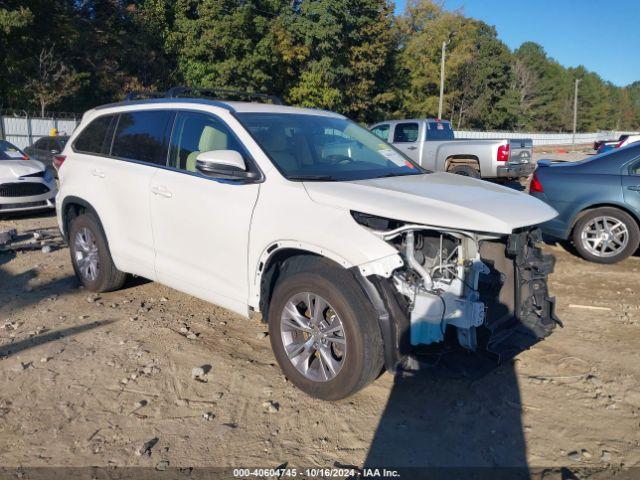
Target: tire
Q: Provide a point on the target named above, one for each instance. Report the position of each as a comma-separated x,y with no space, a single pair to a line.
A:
361,357
87,239
619,249
465,170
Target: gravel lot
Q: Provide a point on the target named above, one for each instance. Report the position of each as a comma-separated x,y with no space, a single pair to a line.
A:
89,380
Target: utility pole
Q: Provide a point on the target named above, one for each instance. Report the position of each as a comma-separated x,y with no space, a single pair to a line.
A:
575,110
444,50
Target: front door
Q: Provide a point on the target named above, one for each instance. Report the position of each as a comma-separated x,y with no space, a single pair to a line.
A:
201,224
405,139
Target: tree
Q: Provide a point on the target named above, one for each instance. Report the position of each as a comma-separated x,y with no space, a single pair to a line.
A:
226,44
53,80
338,55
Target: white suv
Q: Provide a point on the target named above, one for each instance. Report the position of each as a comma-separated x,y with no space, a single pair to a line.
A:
356,257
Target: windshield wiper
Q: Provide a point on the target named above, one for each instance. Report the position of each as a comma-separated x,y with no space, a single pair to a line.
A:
313,178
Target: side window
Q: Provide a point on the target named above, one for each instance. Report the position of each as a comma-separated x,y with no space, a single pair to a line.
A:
194,133
42,144
92,138
381,131
634,169
140,136
405,133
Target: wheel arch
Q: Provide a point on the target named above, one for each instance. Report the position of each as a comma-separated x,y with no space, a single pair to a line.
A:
462,159
390,320
72,207
589,208
272,261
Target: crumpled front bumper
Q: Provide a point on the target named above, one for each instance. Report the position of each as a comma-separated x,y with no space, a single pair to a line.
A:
519,311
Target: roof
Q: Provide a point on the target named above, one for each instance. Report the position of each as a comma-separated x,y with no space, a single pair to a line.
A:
253,107
412,120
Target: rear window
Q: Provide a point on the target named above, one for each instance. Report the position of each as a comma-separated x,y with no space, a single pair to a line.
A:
406,133
439,131
92,138
141,136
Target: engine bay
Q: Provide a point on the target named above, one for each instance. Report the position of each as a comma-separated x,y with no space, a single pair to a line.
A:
489,290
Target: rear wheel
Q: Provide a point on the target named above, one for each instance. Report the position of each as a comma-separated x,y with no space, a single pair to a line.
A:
465,170
324,332
606,235
90,255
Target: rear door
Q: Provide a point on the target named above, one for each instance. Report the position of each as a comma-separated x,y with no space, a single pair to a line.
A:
406,139
123,176
436,132
631,185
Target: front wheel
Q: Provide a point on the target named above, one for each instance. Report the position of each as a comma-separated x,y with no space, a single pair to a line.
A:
324,332
606,235
90,255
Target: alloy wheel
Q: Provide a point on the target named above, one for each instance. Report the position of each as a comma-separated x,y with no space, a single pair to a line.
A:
86,254
605,236
313,336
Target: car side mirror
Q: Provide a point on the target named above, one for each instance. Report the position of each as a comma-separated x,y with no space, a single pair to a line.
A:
223,164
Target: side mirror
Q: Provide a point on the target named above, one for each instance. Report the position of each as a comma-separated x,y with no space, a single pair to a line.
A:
223,164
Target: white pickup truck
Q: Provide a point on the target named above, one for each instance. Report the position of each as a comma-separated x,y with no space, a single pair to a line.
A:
431,143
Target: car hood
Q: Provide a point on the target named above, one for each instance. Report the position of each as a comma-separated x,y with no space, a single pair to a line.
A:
19,168
437,199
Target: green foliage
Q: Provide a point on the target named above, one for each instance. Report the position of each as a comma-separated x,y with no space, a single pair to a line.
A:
353,57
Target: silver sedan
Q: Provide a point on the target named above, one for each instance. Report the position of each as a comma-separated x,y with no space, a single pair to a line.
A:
24,184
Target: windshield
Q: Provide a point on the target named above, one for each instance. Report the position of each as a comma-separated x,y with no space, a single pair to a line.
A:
315,147
9,151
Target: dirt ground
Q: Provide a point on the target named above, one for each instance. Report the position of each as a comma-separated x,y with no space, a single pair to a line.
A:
88,380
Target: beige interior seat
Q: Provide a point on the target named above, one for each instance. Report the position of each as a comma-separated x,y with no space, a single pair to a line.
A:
210,139
275,142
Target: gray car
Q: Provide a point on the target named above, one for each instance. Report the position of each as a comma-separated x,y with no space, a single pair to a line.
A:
598,201
45,148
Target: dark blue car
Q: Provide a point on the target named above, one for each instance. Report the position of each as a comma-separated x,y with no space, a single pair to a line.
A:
598,201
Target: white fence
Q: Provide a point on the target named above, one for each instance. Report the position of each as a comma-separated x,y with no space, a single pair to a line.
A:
545,138
22,131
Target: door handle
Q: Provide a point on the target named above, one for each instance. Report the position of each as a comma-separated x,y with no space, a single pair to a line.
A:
161,191
97,173
412,148
635,188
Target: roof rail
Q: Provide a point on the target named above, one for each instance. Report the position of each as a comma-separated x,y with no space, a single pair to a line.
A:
139,94
220,94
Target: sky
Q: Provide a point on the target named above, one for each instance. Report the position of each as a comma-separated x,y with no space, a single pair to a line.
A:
603,36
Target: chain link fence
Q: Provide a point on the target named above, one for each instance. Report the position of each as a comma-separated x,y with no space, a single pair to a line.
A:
23,128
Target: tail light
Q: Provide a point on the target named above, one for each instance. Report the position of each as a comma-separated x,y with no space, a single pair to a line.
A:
619,144
503,153
535,185
58,160
25,156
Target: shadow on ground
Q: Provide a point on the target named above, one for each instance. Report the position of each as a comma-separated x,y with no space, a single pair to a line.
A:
16,347
443,424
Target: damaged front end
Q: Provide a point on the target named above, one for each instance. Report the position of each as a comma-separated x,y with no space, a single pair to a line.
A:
484,292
